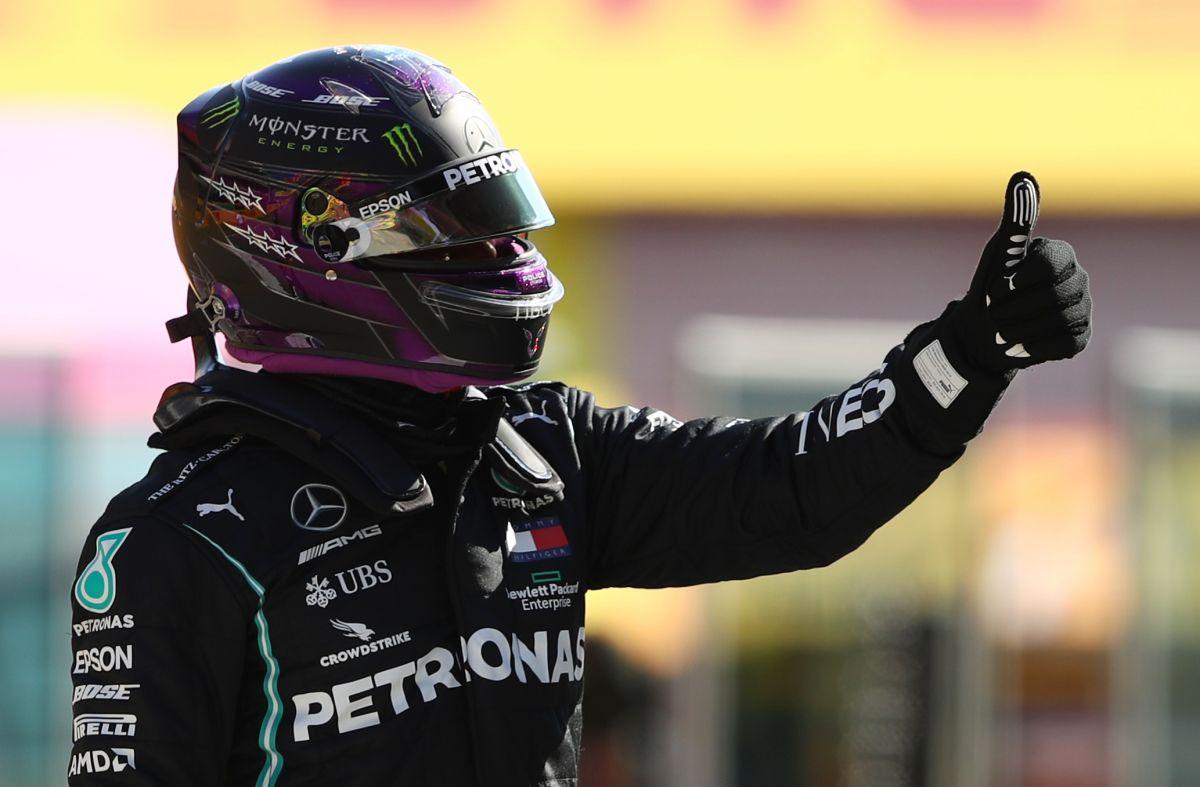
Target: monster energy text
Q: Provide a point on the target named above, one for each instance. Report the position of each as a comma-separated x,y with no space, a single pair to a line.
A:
276,131
404,142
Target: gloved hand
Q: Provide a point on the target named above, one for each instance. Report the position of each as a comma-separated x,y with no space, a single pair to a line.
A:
1029,300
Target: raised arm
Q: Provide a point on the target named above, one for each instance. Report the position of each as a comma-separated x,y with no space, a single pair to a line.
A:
713,499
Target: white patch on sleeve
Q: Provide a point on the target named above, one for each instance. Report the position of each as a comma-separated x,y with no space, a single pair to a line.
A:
943,380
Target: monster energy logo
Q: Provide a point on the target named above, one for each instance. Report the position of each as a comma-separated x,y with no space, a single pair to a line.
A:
220,113
404,142
97,584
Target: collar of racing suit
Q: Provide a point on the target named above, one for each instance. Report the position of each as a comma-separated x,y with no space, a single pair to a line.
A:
370,438
426,427
392,405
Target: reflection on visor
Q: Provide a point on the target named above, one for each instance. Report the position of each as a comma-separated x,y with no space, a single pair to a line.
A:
477,199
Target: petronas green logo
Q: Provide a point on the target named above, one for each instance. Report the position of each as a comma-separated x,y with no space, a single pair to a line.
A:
506,486
404,142
220,113
97,585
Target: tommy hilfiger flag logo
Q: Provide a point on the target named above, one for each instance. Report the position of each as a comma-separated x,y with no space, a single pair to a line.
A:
536,540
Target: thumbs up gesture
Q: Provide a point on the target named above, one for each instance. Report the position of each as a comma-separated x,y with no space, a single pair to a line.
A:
1029,300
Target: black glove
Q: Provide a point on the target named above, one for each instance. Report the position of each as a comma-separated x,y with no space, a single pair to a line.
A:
1029,301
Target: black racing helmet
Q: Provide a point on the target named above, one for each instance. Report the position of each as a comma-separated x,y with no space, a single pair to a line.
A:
354,211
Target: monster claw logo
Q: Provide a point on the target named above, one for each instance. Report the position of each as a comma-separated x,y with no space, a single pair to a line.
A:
404,142
220,113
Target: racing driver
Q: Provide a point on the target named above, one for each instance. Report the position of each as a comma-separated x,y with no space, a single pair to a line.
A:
365,562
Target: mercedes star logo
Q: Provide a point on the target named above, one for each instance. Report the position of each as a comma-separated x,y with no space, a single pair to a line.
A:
479,134
318,507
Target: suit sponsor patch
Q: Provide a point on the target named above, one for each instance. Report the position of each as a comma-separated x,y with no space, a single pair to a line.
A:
538,539
96,588
545,595
112,760
103,691
105,623
104,725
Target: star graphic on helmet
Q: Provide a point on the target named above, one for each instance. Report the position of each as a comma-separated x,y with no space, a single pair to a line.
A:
233,193
279,246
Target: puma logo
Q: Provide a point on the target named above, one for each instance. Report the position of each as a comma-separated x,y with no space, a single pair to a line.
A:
517,420
204,509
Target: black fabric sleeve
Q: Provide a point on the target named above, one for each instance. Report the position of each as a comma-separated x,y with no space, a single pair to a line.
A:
159,637
717,498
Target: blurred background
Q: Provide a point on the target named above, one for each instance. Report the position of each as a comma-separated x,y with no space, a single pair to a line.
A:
756,198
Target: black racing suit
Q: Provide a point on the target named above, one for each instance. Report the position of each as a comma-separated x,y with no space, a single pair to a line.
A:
297,593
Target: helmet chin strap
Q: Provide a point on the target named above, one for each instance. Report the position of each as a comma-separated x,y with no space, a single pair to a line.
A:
197,323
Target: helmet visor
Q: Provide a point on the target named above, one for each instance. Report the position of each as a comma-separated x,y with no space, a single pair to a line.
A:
475,199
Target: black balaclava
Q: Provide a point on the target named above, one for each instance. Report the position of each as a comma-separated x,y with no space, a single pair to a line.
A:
428,427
